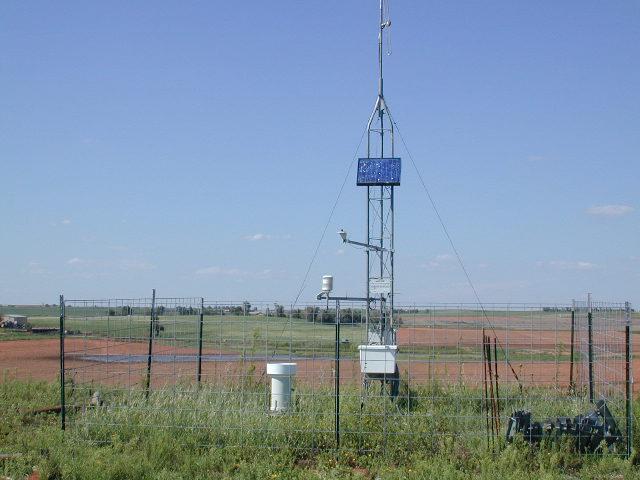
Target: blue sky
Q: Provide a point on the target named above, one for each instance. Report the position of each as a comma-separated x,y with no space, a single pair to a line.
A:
197,147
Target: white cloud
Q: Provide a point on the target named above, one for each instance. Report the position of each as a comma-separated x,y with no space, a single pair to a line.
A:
585,265
610,210
340,251
442,260
92,268
64,221
568,265
256,237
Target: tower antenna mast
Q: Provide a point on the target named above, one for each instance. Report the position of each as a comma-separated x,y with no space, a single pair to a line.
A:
379,171
380,208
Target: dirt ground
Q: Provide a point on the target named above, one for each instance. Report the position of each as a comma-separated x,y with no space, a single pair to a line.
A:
545,340
39,359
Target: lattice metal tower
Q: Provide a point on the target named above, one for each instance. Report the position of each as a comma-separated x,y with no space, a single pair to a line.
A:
380,211
379,172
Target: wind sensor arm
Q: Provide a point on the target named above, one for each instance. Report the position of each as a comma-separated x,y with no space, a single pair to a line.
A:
368,246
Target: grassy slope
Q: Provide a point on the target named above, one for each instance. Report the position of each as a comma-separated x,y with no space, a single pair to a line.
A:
137,448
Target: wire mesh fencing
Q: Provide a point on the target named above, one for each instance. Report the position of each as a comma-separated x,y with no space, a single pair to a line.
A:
268,375
606,352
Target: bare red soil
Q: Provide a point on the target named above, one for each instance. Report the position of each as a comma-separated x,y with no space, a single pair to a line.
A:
39,359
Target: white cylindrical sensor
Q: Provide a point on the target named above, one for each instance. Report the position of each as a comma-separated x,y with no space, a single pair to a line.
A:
327,283
281,385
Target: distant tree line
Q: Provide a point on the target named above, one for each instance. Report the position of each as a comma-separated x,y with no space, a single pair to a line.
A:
318,315
314,314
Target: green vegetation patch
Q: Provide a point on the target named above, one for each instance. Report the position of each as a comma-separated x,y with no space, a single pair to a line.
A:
187,434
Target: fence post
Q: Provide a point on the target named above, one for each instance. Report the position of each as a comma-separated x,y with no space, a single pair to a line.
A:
628,380
63,412
590,340
337,377
572,386
290,331
200,328
150,352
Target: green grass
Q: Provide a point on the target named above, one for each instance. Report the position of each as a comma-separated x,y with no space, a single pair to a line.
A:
209,434
31,310
13,335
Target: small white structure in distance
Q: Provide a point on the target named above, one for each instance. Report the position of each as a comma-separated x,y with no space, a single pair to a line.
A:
380,359
281,385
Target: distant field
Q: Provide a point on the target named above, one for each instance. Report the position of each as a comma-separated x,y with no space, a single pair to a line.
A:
447,346
435,334
272,335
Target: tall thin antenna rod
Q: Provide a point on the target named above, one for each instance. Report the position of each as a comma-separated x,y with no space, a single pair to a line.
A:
383,24
380,86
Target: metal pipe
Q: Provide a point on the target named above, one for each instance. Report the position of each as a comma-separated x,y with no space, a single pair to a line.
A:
484,384
590,340
367,245
368,304
150,350
337,376
494,423
391,254
200,328
380,85
573,323
628,380
63,412
346,299
383,317
495,364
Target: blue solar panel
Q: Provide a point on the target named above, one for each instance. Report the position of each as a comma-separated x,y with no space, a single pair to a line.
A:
378,171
